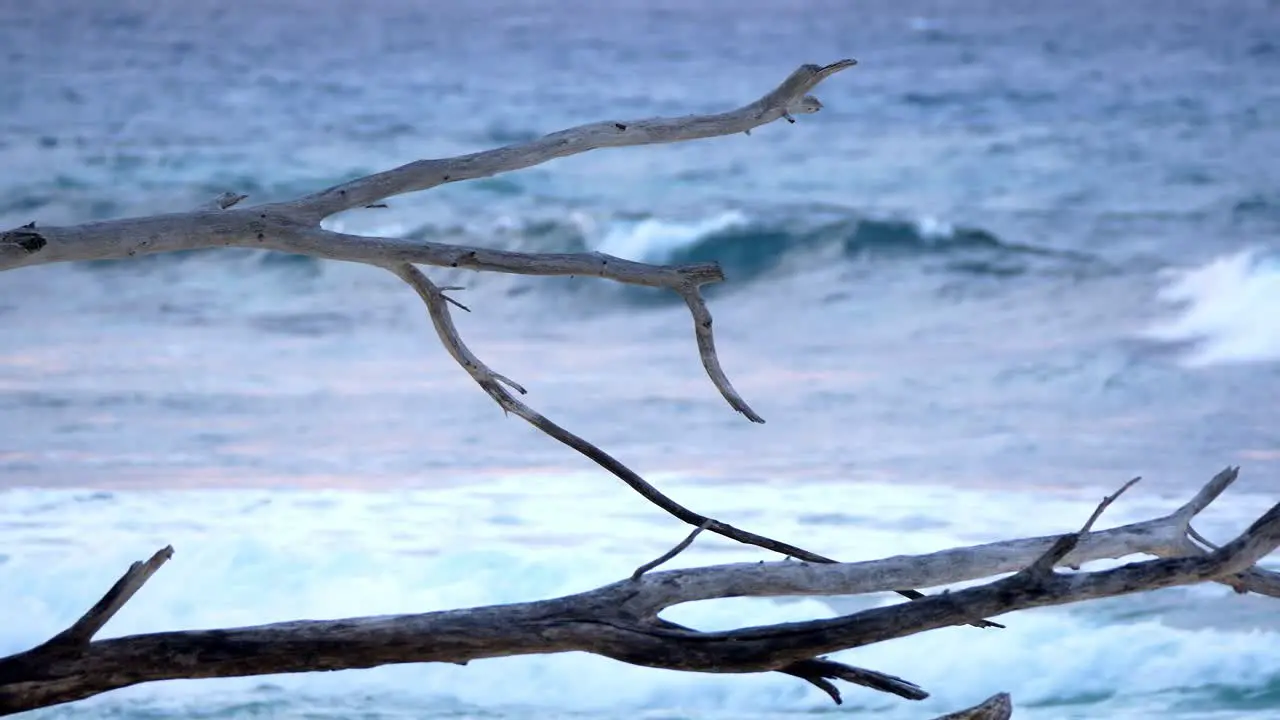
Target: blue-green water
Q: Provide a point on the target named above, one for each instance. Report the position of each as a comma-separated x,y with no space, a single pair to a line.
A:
1026,251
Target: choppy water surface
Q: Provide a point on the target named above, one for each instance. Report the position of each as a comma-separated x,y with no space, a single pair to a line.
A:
1026,252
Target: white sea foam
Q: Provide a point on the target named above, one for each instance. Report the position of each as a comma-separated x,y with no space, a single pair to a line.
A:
248,557
653,240
1228,310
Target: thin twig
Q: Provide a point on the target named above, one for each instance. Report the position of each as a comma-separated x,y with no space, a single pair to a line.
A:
455,303
668,555
491,382
1195,535
1106,503
1065,544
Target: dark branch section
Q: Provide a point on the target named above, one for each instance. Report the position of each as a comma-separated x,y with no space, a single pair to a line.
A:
101,613
24,238
820,672
496,386
72,666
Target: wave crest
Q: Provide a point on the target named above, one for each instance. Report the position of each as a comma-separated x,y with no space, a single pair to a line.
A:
748,247
1225,309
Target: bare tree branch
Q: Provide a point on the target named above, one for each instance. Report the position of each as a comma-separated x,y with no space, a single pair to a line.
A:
788,98
1161,537
492,383
294,226
83,630
615,621
707,351
1207,495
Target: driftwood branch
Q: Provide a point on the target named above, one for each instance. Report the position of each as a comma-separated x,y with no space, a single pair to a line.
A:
499,388
789,98
1065,544
620,620
294,227
84,629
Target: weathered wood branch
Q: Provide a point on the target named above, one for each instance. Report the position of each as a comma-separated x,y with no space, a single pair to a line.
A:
1164,537
83,630
294,227
789,98
496,385
620,620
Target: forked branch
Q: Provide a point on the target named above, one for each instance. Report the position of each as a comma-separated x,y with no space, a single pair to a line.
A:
295,227
789,98
496,385
620,620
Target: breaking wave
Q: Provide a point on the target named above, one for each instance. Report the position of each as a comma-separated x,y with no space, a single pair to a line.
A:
1224,310
748,247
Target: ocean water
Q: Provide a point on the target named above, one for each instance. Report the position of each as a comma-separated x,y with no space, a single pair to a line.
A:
1026,252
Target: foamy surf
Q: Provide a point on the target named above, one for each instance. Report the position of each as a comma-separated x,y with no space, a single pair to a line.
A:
1226,311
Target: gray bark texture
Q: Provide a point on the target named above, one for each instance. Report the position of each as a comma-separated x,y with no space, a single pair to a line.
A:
621,621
